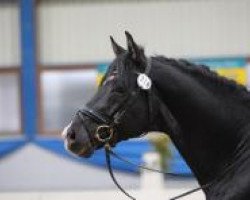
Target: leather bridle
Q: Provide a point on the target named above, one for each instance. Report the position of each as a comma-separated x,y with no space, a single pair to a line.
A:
105,132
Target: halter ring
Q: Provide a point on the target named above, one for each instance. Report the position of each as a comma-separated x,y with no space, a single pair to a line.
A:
105,129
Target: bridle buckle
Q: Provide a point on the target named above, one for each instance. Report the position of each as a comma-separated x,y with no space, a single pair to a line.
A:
109,131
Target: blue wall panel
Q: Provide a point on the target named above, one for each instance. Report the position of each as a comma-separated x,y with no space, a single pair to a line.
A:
8,146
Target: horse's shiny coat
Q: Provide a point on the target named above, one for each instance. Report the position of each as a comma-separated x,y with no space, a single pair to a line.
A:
205,115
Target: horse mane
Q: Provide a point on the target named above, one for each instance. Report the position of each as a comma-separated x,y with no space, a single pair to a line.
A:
228,85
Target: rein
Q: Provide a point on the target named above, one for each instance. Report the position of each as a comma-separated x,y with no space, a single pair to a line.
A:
109,152
108,126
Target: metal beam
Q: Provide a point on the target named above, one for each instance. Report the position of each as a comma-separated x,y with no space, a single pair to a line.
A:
28,69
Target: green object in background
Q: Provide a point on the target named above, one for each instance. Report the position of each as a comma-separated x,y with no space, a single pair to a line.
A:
161,142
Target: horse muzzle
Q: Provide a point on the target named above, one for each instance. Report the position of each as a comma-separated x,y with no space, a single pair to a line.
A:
78,143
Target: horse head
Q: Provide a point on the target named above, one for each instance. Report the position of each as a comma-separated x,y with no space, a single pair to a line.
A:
120,109
208,122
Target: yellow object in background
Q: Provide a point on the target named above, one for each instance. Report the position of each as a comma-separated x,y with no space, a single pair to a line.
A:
237,74
99,78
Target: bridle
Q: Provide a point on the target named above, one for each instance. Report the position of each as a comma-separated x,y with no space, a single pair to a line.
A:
106,126
105,132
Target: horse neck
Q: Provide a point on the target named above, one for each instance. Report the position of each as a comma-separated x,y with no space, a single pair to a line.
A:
206,135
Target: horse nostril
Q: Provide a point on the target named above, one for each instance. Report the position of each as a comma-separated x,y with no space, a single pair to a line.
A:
72,135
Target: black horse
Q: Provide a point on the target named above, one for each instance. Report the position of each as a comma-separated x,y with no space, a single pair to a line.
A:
205,115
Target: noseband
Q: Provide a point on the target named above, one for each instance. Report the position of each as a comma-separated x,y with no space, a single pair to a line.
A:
104,132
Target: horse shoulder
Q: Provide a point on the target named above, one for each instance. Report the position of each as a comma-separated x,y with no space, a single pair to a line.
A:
235,183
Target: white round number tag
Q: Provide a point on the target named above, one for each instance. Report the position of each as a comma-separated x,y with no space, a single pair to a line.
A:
144,82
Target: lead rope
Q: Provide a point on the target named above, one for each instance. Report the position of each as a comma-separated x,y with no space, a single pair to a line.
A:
108,161
108,152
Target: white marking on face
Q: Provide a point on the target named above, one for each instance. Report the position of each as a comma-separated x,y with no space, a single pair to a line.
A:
65,131
64,135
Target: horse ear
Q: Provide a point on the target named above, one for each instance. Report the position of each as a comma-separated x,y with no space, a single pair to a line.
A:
116,48
136,52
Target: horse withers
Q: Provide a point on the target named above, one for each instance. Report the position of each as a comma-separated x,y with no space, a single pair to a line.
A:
205,115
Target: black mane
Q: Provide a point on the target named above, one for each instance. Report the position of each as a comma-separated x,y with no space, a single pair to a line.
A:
202,71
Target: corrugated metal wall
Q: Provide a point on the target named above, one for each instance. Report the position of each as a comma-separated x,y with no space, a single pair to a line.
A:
75,31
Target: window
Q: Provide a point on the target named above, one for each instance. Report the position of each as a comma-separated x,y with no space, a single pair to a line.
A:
63,92
10,109
9,103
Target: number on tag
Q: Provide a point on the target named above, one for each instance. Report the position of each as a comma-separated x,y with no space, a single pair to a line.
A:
144,82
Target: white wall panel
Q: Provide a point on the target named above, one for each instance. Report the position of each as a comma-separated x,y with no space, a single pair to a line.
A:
9,104
78,32
9,34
